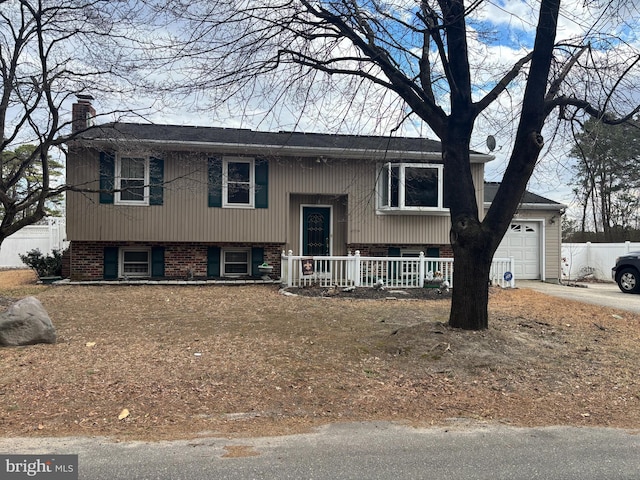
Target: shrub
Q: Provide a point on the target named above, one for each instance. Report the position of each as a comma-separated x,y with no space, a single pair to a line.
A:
44,265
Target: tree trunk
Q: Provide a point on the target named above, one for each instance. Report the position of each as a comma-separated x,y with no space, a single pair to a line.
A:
473,252
470,298
472,244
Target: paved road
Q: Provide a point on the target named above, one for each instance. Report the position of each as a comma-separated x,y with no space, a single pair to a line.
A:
362,451
605,294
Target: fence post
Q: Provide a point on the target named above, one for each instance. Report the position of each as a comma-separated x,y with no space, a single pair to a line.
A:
421,266
283,268
356,268
290,269
512,267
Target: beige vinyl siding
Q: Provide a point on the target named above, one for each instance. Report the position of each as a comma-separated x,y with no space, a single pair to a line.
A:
553,246
356,180
368,226
185,216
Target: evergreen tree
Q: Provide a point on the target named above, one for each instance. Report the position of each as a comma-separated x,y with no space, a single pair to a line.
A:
607,179
22,164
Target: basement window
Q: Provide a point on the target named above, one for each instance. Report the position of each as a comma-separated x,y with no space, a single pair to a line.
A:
135,262
236,262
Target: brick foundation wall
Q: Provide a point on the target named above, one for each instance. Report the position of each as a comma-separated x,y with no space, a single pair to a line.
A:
87,261
181,260
189,260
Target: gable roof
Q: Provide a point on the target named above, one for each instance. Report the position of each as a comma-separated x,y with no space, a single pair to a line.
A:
529,200
236,140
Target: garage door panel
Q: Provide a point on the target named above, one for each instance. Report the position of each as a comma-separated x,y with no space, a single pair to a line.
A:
522,242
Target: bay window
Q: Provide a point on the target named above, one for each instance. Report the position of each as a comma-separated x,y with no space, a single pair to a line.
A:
416,187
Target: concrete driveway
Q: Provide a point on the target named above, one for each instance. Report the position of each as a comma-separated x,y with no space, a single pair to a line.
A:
605,294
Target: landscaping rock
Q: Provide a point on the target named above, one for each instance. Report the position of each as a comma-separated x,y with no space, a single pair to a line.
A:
26,322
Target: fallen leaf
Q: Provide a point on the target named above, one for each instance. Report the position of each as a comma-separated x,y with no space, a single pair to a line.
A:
40,426
123,414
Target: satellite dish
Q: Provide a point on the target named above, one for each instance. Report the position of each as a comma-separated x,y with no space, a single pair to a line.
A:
491,143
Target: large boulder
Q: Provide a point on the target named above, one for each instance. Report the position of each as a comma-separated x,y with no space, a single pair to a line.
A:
26,322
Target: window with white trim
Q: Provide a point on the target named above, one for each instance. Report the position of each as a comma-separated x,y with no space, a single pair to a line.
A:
135,262
238,182
132,180
417,187
236,262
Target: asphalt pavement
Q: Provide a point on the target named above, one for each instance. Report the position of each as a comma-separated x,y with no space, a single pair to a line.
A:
375,450
606,294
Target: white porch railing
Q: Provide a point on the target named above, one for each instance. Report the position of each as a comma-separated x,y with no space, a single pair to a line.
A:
396,272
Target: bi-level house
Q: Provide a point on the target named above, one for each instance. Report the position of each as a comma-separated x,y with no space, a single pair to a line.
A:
165,201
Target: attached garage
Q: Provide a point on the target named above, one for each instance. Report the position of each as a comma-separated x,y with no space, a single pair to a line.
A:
522,242
534,237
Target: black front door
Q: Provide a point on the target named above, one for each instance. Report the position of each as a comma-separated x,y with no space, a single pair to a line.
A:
316,231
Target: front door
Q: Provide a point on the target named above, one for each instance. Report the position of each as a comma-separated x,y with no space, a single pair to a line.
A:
316,231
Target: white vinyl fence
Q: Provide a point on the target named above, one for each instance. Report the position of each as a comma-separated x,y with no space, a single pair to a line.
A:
396,272
592,259
45,237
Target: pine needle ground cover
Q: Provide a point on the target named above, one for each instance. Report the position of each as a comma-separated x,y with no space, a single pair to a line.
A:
163,362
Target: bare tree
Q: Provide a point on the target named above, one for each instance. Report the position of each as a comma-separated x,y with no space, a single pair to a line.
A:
432,56
51,51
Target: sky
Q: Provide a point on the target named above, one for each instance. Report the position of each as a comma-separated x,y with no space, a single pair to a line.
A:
512,27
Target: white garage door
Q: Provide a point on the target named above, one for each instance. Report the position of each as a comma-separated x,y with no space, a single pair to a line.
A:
522,242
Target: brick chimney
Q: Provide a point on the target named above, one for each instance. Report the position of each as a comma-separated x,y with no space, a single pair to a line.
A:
82,113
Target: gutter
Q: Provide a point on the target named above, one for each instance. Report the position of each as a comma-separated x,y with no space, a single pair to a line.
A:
535,206
343,153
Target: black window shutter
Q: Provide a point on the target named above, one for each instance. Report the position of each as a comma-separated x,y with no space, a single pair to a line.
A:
432,252
262,183
157,262
213,262
107,176
156,181
110,261
214,171
257,257
394,252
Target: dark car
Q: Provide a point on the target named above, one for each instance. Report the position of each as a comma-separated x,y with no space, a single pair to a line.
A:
626,273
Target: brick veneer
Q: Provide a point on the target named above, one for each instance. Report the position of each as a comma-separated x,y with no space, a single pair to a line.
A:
182,260
186,260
